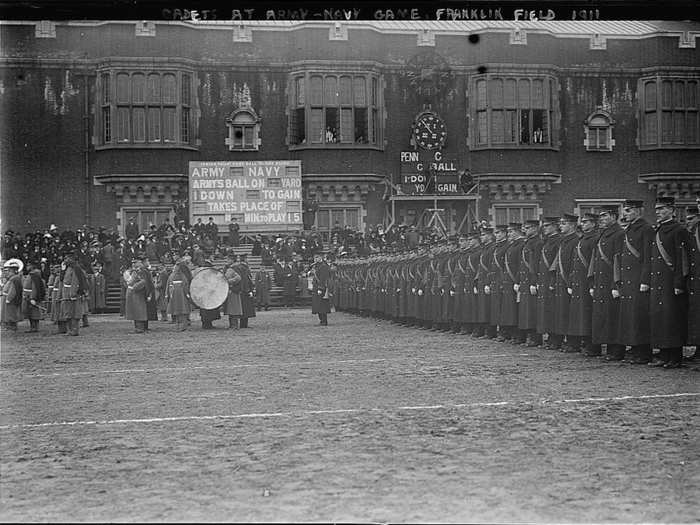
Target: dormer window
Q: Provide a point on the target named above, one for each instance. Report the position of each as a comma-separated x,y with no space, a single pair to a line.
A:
598,131
243,130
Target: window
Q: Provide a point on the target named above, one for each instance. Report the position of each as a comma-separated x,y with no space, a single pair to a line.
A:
669,113
598,131
326,218
243,130
145,108
513,212
334,110
512,111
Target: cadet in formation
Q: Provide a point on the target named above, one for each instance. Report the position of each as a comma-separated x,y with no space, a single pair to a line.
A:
573,284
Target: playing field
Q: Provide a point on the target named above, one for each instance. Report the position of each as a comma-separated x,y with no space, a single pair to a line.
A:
361,421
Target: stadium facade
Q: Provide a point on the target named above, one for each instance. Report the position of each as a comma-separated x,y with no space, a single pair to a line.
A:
501,120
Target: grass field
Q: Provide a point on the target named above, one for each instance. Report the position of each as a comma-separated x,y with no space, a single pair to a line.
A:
363,420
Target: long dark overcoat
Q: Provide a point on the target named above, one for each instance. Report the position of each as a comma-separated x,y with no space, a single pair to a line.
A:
669,269
529,263
562,299
319,304
634,268
605,318
581,304
545,282
694,287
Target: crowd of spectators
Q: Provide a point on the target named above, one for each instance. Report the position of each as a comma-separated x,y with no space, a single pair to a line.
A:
166,242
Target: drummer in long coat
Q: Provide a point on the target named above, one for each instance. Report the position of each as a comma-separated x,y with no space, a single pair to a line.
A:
668,287
529,264
545,280
606,304
320,303
33,294
178,295
563,263
233,307
633,265
135,305
693,222
581,304
511,293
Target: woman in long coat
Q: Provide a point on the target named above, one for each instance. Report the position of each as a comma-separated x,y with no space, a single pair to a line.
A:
11,298
178,296
232,306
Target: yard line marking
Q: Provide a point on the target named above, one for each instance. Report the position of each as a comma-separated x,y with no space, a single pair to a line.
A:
301,413
252,365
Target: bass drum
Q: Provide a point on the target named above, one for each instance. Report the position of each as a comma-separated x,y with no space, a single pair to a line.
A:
209,288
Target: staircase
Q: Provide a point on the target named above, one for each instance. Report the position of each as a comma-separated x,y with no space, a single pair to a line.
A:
112,298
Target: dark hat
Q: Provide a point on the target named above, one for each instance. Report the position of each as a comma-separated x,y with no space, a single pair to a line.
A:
552,219
589,217
532,222
633,203
691,211
665,201
568,217
609,209
501,227
486,229
516,225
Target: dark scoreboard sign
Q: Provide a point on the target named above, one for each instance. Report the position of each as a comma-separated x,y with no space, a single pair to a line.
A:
428,173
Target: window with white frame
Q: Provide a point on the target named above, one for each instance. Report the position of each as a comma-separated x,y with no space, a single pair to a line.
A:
512,110
669,116
514,212
327,216
598,131
243,130
145,108
335,109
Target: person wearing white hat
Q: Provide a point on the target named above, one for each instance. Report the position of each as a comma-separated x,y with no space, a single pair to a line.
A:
12,295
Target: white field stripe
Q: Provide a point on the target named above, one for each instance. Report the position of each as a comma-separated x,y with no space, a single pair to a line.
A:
253,365
302,413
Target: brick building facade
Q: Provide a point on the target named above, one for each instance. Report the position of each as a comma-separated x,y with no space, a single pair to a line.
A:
100,119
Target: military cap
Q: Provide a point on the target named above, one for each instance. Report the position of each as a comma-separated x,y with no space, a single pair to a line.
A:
550,219
691,211
589,217
568,217
516,225
665,201
502,227
609,209
532,222
486,229
633,203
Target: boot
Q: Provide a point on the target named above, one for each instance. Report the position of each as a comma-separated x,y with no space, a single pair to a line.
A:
232,322
33,326
85,321
60,328
74,324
